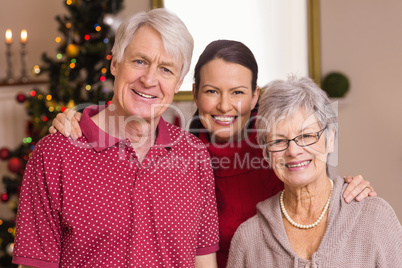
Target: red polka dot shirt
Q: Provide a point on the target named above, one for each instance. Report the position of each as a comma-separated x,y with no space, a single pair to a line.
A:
89,203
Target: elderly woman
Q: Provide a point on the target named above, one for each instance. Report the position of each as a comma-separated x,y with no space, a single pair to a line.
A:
308,224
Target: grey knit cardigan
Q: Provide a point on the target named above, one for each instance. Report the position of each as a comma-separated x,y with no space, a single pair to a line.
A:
359,234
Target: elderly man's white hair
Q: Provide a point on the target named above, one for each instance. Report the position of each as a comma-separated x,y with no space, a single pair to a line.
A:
176,38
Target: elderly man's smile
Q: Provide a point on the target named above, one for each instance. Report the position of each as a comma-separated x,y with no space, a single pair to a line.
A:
144,95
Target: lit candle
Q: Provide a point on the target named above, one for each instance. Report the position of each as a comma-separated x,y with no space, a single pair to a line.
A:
24,36
9,36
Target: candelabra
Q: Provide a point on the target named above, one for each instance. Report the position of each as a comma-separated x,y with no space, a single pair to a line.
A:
24,76
9,74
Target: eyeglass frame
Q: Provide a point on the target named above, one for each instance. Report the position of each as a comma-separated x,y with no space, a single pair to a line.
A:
318,133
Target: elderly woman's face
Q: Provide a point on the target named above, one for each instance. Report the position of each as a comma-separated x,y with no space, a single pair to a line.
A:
299,166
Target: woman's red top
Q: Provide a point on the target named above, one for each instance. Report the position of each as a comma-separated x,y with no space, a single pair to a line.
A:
243,179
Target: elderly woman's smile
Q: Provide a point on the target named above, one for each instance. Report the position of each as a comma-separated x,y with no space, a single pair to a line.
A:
297,165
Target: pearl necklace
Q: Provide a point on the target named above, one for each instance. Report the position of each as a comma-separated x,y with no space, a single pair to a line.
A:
301,226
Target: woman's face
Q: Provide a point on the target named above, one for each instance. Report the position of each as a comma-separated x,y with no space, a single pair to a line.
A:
225,99
299,166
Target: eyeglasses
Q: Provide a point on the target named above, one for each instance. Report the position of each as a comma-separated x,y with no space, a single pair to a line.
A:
301,140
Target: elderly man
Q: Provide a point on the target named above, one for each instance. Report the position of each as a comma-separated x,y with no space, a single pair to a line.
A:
134,191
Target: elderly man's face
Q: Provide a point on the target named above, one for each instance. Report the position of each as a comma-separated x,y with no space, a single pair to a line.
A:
147,78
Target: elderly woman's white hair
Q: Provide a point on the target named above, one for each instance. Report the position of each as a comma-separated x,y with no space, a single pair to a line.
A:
283,98
176,38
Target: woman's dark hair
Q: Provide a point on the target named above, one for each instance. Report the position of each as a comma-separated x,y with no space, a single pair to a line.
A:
229,51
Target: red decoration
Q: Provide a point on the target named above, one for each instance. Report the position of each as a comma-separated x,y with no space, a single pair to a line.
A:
21,97
15,165
30,129
4,197
4,153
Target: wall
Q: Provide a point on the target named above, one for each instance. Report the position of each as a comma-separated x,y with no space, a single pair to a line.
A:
362,38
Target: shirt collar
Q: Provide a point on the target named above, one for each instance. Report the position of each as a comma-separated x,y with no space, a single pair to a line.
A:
101,140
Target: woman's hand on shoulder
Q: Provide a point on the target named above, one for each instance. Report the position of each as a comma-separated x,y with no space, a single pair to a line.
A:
358,188
67,124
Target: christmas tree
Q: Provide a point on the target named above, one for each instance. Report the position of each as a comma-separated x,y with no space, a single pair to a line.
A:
78,74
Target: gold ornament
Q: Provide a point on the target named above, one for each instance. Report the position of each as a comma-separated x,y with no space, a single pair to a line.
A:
10,249
70,104
36,70
50,103
72,50
12,204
